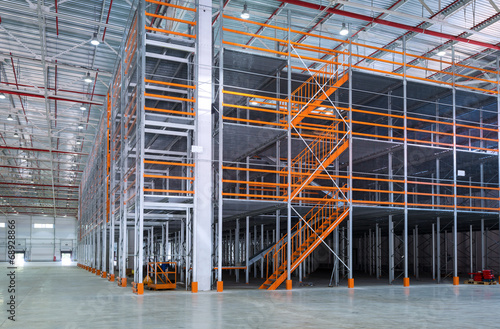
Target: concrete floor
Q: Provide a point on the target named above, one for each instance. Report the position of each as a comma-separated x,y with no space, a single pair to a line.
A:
53,296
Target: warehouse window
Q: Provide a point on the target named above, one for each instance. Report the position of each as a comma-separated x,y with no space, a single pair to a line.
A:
38,225
2,224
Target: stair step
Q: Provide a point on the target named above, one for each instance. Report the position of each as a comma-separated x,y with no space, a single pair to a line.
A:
278,275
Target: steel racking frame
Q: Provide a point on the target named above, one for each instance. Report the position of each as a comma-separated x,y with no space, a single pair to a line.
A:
296,111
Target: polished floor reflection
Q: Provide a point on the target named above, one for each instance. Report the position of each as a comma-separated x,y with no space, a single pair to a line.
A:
68,297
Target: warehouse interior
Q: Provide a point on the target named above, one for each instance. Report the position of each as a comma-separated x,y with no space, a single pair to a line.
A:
164,148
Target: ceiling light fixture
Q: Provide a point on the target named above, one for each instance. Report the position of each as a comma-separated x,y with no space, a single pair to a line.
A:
87,78
245,14
16,134
2,96
10,118
95,40
82,107
80,126
441,53
344,30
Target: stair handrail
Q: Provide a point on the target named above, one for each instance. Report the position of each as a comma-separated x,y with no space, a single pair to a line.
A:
297,229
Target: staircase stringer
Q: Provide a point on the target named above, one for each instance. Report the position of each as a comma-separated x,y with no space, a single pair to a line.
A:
309,250
316,172
325,95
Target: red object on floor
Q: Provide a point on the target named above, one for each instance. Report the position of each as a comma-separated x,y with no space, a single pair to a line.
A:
488,275
484,275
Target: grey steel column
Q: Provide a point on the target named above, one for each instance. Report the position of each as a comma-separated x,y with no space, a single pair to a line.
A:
262,248
277,233
433,254
438,248
104,267
203,210
112,183
300,243
97,245
377,251
438,178
350,279
254,250
416,252
498,155
168,252
221,153
247,247
406,279
481,174
455,200
336,259
483,247
237,261
122,245
289,151
162,243
391,250
471,268
182,250
368,250
189,248
140,145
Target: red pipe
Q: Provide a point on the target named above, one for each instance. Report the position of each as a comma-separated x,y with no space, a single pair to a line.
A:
26,206
32,168
464,61
20,93
31,213
29,197
55,92
61,90
267,22
437,14
107,20
361,29
57,19
91,98
156,13
15,160
389,23
38,150
15,78
44,185
217,16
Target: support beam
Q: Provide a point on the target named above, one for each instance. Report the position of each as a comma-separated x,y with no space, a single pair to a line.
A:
237,259
455,169
391,24
202,219
391,250
406,279
289,156
438,249
247,247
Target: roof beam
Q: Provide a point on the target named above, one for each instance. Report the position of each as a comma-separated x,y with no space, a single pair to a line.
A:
426,7
56,98
391,24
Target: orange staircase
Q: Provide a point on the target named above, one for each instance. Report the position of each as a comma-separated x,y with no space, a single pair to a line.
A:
327,146
321,221
320,95
319,154
315,90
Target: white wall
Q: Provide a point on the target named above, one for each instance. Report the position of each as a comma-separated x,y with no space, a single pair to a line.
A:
38,243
